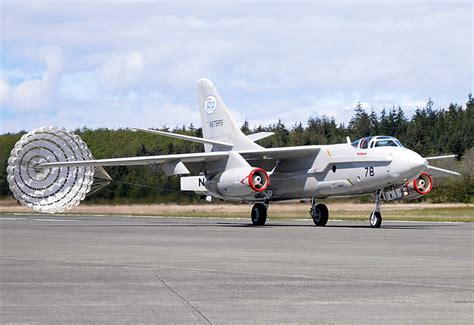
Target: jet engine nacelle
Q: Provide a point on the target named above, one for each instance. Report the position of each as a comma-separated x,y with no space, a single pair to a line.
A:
239,182
418,187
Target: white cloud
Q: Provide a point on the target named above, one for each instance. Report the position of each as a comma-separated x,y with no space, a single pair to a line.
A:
269,61
122,72
78,86
36,93
4,92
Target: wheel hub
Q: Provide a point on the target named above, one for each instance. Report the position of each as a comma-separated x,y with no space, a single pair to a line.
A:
373,219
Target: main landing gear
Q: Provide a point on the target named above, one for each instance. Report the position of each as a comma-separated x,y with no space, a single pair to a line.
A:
375,219
259,214
319,213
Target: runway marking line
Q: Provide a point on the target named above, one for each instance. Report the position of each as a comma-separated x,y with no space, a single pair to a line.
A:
37,219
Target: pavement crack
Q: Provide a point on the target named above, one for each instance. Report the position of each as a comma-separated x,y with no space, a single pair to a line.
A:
184,299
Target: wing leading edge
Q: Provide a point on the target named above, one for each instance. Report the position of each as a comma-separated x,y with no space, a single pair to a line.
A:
272,153
137,161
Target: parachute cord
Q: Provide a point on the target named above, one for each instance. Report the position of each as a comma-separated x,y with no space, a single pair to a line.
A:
146,186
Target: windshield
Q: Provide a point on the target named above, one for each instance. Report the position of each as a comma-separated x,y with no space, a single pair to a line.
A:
385,143
378,141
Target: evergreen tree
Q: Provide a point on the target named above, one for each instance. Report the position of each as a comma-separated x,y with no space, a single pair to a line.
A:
360,125
245,127
429,131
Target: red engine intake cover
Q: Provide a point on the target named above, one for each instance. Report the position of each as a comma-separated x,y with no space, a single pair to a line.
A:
426,184
258,180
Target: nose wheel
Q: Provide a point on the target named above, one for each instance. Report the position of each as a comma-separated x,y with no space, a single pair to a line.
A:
375,218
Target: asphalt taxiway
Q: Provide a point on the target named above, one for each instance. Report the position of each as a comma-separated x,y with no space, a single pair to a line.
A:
90,269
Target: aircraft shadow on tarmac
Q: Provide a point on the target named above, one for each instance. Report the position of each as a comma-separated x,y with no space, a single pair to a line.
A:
267,226
408,226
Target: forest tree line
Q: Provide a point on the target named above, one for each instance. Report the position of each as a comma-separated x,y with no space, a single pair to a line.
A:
429,131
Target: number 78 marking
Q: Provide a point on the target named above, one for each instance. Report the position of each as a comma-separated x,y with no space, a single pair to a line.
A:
369,171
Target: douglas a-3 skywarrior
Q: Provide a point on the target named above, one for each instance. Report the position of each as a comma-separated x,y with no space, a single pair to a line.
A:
51,170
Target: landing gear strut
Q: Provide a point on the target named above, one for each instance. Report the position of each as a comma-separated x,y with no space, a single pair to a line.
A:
259,214
319,213
375,219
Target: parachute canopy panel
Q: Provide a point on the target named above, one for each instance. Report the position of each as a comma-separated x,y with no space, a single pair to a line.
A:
55,189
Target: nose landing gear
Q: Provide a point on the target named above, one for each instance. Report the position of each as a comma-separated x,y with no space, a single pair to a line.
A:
375,219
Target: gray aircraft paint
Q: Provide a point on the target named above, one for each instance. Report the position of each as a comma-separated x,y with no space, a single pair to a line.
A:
216,121
233,164
311,175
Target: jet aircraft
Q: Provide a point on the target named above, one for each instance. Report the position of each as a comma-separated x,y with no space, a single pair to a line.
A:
51,169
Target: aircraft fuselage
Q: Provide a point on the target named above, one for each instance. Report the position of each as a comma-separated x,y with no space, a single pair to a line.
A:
342,170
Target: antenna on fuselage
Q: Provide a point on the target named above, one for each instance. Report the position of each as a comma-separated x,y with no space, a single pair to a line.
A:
348,139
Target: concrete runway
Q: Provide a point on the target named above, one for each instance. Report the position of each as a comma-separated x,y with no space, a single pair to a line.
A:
86,269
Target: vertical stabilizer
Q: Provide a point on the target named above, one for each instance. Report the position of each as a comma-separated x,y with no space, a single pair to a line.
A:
217,123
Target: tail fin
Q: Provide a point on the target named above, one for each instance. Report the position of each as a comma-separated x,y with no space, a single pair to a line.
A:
217,123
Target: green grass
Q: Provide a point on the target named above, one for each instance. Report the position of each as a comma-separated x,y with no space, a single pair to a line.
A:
414,212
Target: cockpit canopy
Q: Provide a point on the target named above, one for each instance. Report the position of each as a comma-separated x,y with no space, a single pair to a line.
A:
377,141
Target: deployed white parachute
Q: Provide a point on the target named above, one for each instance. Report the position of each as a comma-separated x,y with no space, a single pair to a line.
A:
51,190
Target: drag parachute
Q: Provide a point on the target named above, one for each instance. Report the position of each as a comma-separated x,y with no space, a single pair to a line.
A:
56,189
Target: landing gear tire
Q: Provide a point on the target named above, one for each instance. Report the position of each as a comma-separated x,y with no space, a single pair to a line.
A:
375,219
320,214
259,214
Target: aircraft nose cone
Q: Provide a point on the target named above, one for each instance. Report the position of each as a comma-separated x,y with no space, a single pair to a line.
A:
407,165
418,163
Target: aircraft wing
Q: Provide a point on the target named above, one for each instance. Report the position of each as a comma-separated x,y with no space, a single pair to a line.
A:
143,160
259,136
440,172
271,153
186,137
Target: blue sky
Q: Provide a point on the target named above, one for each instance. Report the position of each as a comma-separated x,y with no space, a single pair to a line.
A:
122,63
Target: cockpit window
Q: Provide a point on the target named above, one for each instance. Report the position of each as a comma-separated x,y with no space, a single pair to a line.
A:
386,143
364,142
377,141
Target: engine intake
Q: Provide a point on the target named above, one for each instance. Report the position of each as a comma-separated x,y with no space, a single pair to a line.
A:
239,182
258,180
423,184
414,189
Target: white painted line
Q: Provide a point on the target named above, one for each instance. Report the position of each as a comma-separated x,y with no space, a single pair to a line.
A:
29,219
53,220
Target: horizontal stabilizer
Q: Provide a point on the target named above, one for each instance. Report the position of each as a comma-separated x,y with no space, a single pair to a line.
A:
186,137
440,172
259,136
